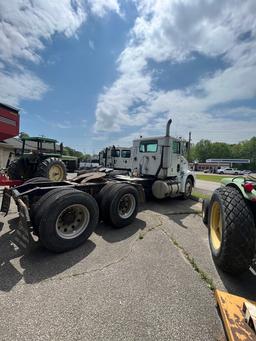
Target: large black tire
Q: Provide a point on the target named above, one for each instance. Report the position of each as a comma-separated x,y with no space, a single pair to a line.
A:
46,167
38,208
236,233
103,214
15,170
205,211
63,204
112,200
99,196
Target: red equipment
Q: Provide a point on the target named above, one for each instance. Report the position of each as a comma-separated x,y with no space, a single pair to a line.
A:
5,181
9,122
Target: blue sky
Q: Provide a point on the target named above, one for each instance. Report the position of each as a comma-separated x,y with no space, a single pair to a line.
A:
95,73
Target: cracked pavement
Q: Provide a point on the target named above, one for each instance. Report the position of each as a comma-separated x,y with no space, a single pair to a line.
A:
128,284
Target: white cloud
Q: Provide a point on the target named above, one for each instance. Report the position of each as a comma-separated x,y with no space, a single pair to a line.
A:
64,125
172,31
20,85
101,7
24,27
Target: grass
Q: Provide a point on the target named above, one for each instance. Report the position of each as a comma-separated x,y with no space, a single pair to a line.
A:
203,275
200,195
212,177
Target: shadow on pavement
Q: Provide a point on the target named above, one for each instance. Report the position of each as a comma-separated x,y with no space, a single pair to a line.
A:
38,264
113,235
243,285
175,209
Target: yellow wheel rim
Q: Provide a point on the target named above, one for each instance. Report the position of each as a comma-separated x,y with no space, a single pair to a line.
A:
56,173
216,226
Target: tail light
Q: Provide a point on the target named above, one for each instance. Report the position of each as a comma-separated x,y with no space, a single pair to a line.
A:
248,187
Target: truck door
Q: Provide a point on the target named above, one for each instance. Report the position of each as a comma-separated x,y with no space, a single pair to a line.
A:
126,158
149,157
116,158
174,169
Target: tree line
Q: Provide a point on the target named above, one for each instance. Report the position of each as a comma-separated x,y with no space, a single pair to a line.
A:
206,149
73,152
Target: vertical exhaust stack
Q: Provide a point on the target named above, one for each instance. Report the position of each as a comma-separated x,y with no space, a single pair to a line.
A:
165,153
167,134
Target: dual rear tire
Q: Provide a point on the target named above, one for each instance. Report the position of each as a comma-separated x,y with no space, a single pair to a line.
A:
65,218
118,204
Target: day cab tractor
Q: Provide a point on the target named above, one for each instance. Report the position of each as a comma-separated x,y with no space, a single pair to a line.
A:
118,158
64,214
40,162
230,215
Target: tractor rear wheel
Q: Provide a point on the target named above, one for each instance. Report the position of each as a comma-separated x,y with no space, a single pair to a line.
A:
53,169
231,230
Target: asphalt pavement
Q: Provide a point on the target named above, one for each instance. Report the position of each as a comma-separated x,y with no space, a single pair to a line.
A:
135,283
208,186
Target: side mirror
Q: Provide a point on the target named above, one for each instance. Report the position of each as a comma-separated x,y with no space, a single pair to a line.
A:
61,148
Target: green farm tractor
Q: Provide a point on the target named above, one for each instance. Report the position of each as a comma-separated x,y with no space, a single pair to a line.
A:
40,162
230,215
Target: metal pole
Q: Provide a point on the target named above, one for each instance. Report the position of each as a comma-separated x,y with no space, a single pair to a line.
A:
189,143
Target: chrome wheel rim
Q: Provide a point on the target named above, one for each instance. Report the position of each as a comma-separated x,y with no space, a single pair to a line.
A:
72,221
126,205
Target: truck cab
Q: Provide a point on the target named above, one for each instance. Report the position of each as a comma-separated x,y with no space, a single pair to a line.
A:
118,158
159,156
163,159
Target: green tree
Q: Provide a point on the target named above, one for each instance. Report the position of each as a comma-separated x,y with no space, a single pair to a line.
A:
220,150
203,150
72,152
206,149
23,134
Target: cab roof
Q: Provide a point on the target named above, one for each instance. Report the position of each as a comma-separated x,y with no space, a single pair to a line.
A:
39,139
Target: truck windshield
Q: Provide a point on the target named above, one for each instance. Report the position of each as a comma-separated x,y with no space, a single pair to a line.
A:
148,146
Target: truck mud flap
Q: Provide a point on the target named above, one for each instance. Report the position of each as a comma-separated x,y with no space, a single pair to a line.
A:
22,234
5,206
22,237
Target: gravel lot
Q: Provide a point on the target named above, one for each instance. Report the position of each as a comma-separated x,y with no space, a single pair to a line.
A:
130,284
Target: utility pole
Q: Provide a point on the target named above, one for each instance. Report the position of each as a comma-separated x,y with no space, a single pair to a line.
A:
189,144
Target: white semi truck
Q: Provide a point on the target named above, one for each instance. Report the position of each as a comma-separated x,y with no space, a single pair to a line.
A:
64,214
159,162
118,158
